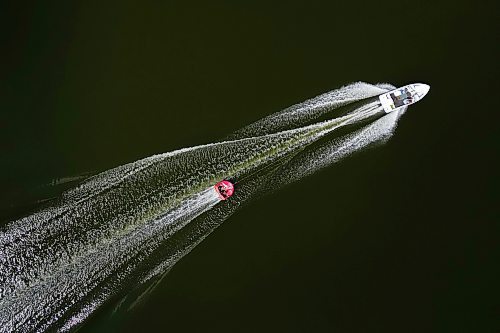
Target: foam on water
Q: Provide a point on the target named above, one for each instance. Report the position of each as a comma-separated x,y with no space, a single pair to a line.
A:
333,151
299,114
127,226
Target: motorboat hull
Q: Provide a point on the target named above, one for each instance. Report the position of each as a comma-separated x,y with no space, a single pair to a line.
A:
404,96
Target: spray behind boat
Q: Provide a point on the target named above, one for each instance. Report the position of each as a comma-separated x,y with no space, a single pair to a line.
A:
122,228
390,101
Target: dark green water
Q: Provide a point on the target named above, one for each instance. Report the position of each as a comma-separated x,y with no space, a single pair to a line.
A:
397,238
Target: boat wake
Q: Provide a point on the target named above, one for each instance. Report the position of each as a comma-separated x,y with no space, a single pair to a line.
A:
112,238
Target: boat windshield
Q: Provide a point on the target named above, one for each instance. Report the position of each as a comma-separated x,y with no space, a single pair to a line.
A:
402,97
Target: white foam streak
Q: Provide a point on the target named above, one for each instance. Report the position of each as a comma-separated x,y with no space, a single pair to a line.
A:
60,264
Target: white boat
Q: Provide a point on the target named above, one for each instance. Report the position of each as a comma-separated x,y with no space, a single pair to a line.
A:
404,96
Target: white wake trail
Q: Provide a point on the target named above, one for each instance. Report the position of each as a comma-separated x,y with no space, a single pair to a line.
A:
117,229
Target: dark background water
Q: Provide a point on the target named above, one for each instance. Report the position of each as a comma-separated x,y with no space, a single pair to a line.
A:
398,238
